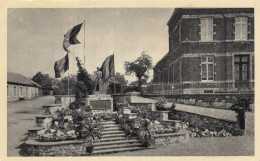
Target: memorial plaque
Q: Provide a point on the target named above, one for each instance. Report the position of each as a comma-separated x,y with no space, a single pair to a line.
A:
100,104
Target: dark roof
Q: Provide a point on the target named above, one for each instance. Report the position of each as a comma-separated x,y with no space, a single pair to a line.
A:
20,79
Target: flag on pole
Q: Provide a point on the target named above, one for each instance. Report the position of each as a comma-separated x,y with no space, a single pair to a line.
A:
61,66
70,38
108,67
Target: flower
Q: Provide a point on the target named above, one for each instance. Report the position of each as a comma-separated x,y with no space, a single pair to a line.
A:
59,133
71,133
41,132
69,118
47,123
65,125
56,123
52,130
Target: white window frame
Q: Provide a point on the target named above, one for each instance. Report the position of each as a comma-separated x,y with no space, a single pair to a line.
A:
241,28
207,63
207,33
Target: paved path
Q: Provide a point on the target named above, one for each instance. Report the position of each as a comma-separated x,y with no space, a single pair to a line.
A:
20,118
208,146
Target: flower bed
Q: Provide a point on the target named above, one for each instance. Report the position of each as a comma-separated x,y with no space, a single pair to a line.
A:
144,126
195,132
69,124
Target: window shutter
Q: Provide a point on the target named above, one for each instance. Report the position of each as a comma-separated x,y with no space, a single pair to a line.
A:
210,29
237,28
203,29
241,31
244,28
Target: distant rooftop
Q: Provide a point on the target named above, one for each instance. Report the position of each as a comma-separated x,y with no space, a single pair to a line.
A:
16,78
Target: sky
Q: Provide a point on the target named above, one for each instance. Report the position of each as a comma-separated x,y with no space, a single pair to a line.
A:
35,37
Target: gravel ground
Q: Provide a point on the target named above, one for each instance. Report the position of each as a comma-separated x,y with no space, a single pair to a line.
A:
20,118
208,146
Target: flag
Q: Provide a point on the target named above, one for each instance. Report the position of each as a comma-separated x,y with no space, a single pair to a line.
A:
70,38
61,66
108,67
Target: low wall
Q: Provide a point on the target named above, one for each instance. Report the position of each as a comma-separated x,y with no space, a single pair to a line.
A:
211,119
61,148
171,138
65,100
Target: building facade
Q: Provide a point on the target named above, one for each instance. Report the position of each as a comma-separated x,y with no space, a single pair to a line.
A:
210,51
19,87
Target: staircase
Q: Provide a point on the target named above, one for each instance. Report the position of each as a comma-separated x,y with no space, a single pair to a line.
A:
114,140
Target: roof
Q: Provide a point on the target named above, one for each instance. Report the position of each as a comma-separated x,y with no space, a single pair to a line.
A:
20,79
161,60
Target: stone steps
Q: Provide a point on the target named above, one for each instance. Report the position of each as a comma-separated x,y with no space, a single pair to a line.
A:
110,125
116,150
112,135
114,140
112,129
117,142
112,132
109,122
116,146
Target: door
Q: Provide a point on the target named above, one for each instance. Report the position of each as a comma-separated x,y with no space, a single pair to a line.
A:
242,71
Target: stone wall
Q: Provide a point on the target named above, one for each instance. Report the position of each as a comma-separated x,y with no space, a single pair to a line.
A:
65,100
171,138
62,148
205,118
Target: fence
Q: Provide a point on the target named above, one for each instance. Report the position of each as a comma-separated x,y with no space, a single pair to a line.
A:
198,87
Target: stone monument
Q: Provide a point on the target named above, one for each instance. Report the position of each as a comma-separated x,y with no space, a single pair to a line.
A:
100,101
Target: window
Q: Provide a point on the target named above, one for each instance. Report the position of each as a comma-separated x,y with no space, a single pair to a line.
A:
26,91
206,29
7,90
207,68
241,28
15,94
241,67
21,91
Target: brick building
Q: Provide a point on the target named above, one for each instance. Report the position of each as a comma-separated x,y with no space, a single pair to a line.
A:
210,51
19,87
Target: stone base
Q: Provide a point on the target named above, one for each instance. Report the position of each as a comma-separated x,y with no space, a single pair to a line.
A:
100,103
174,123
161,115
60,148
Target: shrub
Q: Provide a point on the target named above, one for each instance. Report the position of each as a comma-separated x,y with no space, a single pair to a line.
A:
240,107
161,104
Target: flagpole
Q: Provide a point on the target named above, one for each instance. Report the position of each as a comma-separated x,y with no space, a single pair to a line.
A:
68,82
84,44
114,75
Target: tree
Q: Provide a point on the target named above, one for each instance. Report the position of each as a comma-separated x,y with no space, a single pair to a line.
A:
140,68
61,86
121,78
43,79
135,83
83,76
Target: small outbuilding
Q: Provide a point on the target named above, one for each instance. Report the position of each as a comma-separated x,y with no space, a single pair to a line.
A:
20,87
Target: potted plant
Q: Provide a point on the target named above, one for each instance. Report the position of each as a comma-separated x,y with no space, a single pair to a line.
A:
240,107
161,104
146,134
91,131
